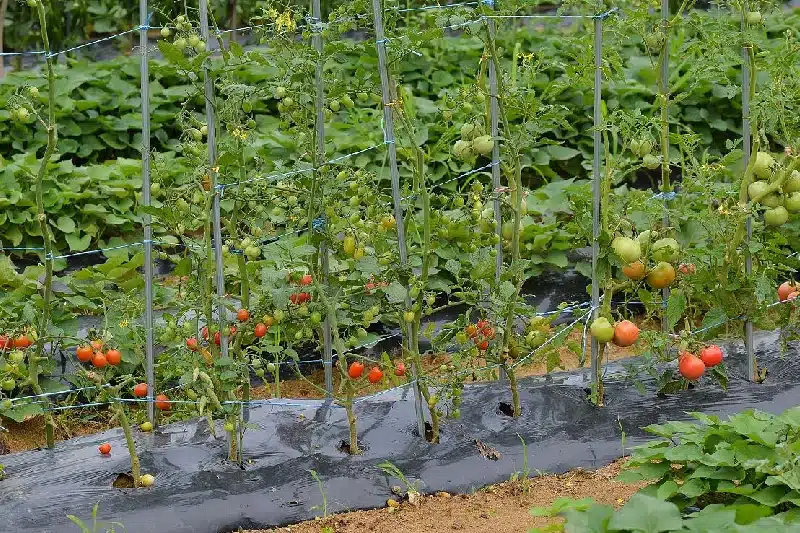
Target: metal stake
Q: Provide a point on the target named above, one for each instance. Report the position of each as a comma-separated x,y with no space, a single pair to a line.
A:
388,123
748,260
596,178
327,348
148,228
212,163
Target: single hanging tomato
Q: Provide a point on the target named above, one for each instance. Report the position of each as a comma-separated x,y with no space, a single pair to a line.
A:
84,353
356,369
243,315
625,333
711,355
140,390
162,402
22,342
375,375
114,357
400,369
260,330
691,367
191,343
99,360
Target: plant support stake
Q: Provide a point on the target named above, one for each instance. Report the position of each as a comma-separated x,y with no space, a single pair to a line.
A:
388,124
327,348
748,259
665,182
494,120
598,79
147,219
212,163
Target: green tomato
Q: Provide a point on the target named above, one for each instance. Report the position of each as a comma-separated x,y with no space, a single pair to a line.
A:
665,250
361,333
16,357
651,162
229,427
602,330
627,249
6,404
793,202
252,252
461,337
298,336
280,92
272,367
278,315
316,318
776,216
180,43
8,384
165,32
763,165
146,427
753,17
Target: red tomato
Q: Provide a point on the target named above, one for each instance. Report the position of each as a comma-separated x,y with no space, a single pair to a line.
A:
84,353
294,298
105,448
261,330
625,333
233,330
5,342
140,390
243,315
483,345
400,369
216,338
691,367
488,332
162,402
191,343
22,342
97,345
375,375
711,355
356,369
99,360
204,333
471,330
306,280
482,324
305,297
687,269
114,357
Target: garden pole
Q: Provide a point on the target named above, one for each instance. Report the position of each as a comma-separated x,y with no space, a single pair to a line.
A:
598,79
148,228
495,131
319,159
748,259
388,124
212,172
665,170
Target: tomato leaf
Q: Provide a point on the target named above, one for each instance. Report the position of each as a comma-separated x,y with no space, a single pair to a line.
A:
646,514
676,305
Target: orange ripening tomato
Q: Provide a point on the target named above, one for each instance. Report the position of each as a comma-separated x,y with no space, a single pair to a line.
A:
634,271
260,330
114,357
140,390
625,333
99,360
22,342
105,448
84,353
400,369
711,355
162,402
785,289
243,315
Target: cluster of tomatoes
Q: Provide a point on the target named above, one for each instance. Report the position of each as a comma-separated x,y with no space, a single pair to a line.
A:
93,353
635,251
481,333
375,375
692,367
161,402
623,333
21,342
299,298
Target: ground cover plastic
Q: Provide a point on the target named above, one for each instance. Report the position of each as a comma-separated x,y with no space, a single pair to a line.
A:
198,491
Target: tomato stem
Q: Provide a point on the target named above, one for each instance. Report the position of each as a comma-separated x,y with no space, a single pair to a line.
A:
126,429
52,137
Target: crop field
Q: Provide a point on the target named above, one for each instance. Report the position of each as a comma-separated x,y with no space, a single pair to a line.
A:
265,262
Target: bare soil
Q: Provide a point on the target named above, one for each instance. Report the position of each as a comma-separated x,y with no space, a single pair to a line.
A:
503,508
